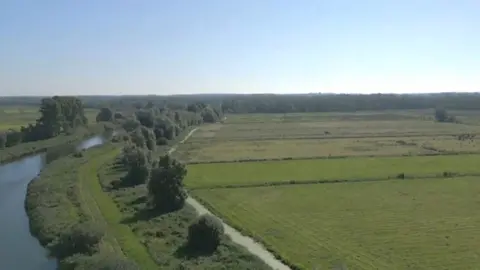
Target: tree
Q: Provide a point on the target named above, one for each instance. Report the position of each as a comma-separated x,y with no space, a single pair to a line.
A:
13,137
3,140
149,137
81,238
131,125
137,138
205,233
118,116
165,188
137,162
105,115
441,115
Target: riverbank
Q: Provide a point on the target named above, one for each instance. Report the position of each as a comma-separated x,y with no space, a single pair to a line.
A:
73,190
22,150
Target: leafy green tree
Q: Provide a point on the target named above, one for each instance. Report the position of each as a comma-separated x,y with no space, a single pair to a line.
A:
13,138
118,116
3,140
205,234
81,238
149,136
130,125
105,115
145,117
137,138
165,188
137,162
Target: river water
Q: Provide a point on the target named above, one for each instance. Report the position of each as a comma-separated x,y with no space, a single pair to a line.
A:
19,250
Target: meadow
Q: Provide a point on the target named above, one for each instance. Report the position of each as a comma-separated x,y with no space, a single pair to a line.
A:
374,168
379,190
424,224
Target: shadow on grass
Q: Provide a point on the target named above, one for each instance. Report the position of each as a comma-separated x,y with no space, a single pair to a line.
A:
187,252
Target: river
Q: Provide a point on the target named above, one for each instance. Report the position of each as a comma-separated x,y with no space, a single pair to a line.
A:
19,250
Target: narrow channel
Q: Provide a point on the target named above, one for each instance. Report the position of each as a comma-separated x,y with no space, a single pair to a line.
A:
19,250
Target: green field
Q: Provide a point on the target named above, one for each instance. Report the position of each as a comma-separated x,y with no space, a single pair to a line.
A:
425,221
424,224
255,173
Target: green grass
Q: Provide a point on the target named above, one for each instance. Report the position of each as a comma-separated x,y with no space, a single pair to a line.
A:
103,210
208,151
333,129
254,173
420,224
165,234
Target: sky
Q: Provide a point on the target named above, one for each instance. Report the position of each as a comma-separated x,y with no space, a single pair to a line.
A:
163,47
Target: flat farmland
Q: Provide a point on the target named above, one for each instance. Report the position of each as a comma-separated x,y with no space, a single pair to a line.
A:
361,168
333,129
328,116
420,224
217,150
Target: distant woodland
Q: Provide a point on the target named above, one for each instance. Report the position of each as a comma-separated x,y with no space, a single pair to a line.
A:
273,103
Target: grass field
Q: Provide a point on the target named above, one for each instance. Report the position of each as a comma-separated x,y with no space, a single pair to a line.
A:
207,151
255,173
425,221
421,224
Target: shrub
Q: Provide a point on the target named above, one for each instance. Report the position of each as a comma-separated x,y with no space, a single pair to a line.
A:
162,141
401,176
99,261
81,238
165,187
205,233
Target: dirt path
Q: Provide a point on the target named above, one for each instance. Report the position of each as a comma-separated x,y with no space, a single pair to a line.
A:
247,242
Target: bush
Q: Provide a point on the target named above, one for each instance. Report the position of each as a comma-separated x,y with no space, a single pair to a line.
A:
162,141
82,238
401,176
165,187
99,261
205,233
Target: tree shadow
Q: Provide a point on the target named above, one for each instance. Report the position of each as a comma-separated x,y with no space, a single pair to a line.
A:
185,251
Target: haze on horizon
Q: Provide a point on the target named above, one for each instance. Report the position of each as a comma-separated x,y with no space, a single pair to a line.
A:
272,46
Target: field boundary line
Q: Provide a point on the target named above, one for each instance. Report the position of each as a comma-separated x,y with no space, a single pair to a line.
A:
436,154
120,234
363,136
333,181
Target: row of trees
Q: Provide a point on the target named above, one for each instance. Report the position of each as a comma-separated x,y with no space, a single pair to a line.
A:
57,115
164,176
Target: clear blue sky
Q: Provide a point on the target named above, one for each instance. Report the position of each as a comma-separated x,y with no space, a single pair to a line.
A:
243,46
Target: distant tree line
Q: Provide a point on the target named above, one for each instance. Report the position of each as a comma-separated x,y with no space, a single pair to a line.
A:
273,103
57,115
